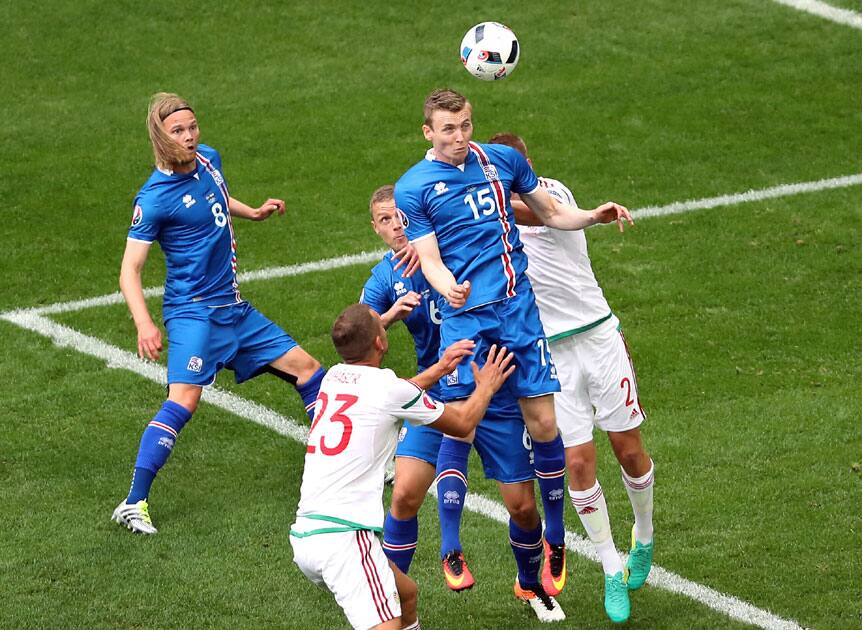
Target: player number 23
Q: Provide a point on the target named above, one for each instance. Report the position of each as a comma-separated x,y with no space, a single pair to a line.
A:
484,200
347,400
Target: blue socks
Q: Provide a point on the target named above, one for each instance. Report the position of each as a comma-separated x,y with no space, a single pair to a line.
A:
550,464
451,491
399,540
528,550
309,390
157,442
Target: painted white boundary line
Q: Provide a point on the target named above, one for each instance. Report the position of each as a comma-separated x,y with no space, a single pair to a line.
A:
826,11
269,273
114,357
783,190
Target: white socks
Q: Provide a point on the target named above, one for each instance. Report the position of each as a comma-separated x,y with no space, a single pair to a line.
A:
593,512
640,494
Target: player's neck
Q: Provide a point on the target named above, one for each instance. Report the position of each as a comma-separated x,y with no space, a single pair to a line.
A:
183,167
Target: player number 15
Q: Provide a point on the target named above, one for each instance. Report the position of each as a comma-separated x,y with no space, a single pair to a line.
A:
484,200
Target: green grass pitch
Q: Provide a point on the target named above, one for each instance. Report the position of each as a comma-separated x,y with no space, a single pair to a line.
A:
743,320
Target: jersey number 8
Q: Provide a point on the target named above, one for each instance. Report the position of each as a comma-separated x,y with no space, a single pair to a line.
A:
219,215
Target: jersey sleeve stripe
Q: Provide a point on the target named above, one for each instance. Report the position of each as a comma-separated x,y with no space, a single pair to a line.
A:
424,236
139,240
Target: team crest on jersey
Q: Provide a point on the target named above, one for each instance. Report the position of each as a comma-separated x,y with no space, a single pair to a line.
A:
452,377
137,215
188,201
440,188
490,172
196,364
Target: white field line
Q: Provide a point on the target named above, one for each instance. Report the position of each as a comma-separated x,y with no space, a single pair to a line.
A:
783,190
269,273
114,357
826,11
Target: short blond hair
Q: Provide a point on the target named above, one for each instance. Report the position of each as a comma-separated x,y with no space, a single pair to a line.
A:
443,99
165,151
384,193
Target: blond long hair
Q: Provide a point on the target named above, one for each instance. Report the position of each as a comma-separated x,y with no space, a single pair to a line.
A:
166,152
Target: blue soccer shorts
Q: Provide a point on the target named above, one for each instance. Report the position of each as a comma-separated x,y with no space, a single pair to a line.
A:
514,323
204,340
501,441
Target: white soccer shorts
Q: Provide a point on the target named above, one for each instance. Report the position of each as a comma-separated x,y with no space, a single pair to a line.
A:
598,384
354,568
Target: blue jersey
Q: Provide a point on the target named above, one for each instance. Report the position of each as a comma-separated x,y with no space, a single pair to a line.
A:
468,210
187,213
386,286
383,289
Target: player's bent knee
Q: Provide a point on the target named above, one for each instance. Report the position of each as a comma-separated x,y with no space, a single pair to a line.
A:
405,502
188,396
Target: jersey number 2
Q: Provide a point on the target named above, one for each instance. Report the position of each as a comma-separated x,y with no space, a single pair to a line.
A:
348,401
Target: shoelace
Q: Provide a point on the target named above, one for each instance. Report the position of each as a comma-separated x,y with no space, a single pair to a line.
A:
557,558
544,598
455,563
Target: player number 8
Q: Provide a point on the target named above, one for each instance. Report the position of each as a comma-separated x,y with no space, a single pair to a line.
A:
219,215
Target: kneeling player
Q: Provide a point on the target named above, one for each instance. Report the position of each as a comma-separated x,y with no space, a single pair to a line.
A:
356,423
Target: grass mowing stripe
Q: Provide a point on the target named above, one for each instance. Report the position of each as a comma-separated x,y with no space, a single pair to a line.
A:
826,11
268,273
114,357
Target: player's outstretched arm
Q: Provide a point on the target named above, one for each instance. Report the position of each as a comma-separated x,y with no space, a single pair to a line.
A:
566,217
438,274
460,419
239,209
149,335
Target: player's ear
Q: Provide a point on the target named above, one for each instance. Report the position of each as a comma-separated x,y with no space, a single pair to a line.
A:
426,131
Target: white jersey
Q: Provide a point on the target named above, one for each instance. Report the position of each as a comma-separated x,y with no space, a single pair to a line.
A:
567,293
355,430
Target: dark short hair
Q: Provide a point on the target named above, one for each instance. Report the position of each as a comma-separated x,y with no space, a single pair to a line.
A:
354,332
510,140
445,99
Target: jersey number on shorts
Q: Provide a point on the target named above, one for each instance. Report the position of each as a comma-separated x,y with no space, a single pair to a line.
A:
348,401
627,385
485,201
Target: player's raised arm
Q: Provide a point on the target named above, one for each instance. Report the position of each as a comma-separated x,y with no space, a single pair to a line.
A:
565,217
149,335
459,419
239,209
438,274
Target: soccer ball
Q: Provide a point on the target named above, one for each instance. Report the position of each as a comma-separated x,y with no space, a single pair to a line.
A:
490,51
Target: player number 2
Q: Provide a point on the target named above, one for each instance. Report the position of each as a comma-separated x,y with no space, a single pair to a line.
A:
485,201
219,215
626,384
348,401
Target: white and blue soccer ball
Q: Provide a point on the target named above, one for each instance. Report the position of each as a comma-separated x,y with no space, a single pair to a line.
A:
490,51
